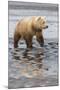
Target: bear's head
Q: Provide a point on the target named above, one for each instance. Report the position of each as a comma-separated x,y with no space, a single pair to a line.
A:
40,23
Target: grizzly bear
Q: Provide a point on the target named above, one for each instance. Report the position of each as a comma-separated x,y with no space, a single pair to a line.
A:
27,28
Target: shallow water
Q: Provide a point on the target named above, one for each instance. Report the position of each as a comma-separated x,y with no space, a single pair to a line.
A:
39,65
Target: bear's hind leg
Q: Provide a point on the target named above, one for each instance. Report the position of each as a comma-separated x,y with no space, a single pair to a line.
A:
16,39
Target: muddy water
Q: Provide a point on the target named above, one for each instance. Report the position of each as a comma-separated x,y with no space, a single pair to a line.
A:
37,66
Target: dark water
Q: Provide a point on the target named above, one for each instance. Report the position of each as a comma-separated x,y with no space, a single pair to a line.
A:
38,66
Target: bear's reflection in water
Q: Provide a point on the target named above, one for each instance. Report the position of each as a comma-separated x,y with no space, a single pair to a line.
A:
33,67
30,61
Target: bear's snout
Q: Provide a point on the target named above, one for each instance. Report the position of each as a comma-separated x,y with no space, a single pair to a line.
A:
46,27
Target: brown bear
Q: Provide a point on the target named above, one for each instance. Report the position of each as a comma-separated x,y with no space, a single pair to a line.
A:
28,27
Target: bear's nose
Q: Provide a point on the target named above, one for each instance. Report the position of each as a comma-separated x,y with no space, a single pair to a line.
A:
46,26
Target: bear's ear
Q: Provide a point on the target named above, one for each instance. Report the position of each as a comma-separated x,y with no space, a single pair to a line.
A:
44,17
38,18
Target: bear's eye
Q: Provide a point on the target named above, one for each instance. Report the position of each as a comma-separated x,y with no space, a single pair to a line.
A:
43,22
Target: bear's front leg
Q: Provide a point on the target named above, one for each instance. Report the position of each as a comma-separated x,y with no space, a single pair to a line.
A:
40,38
